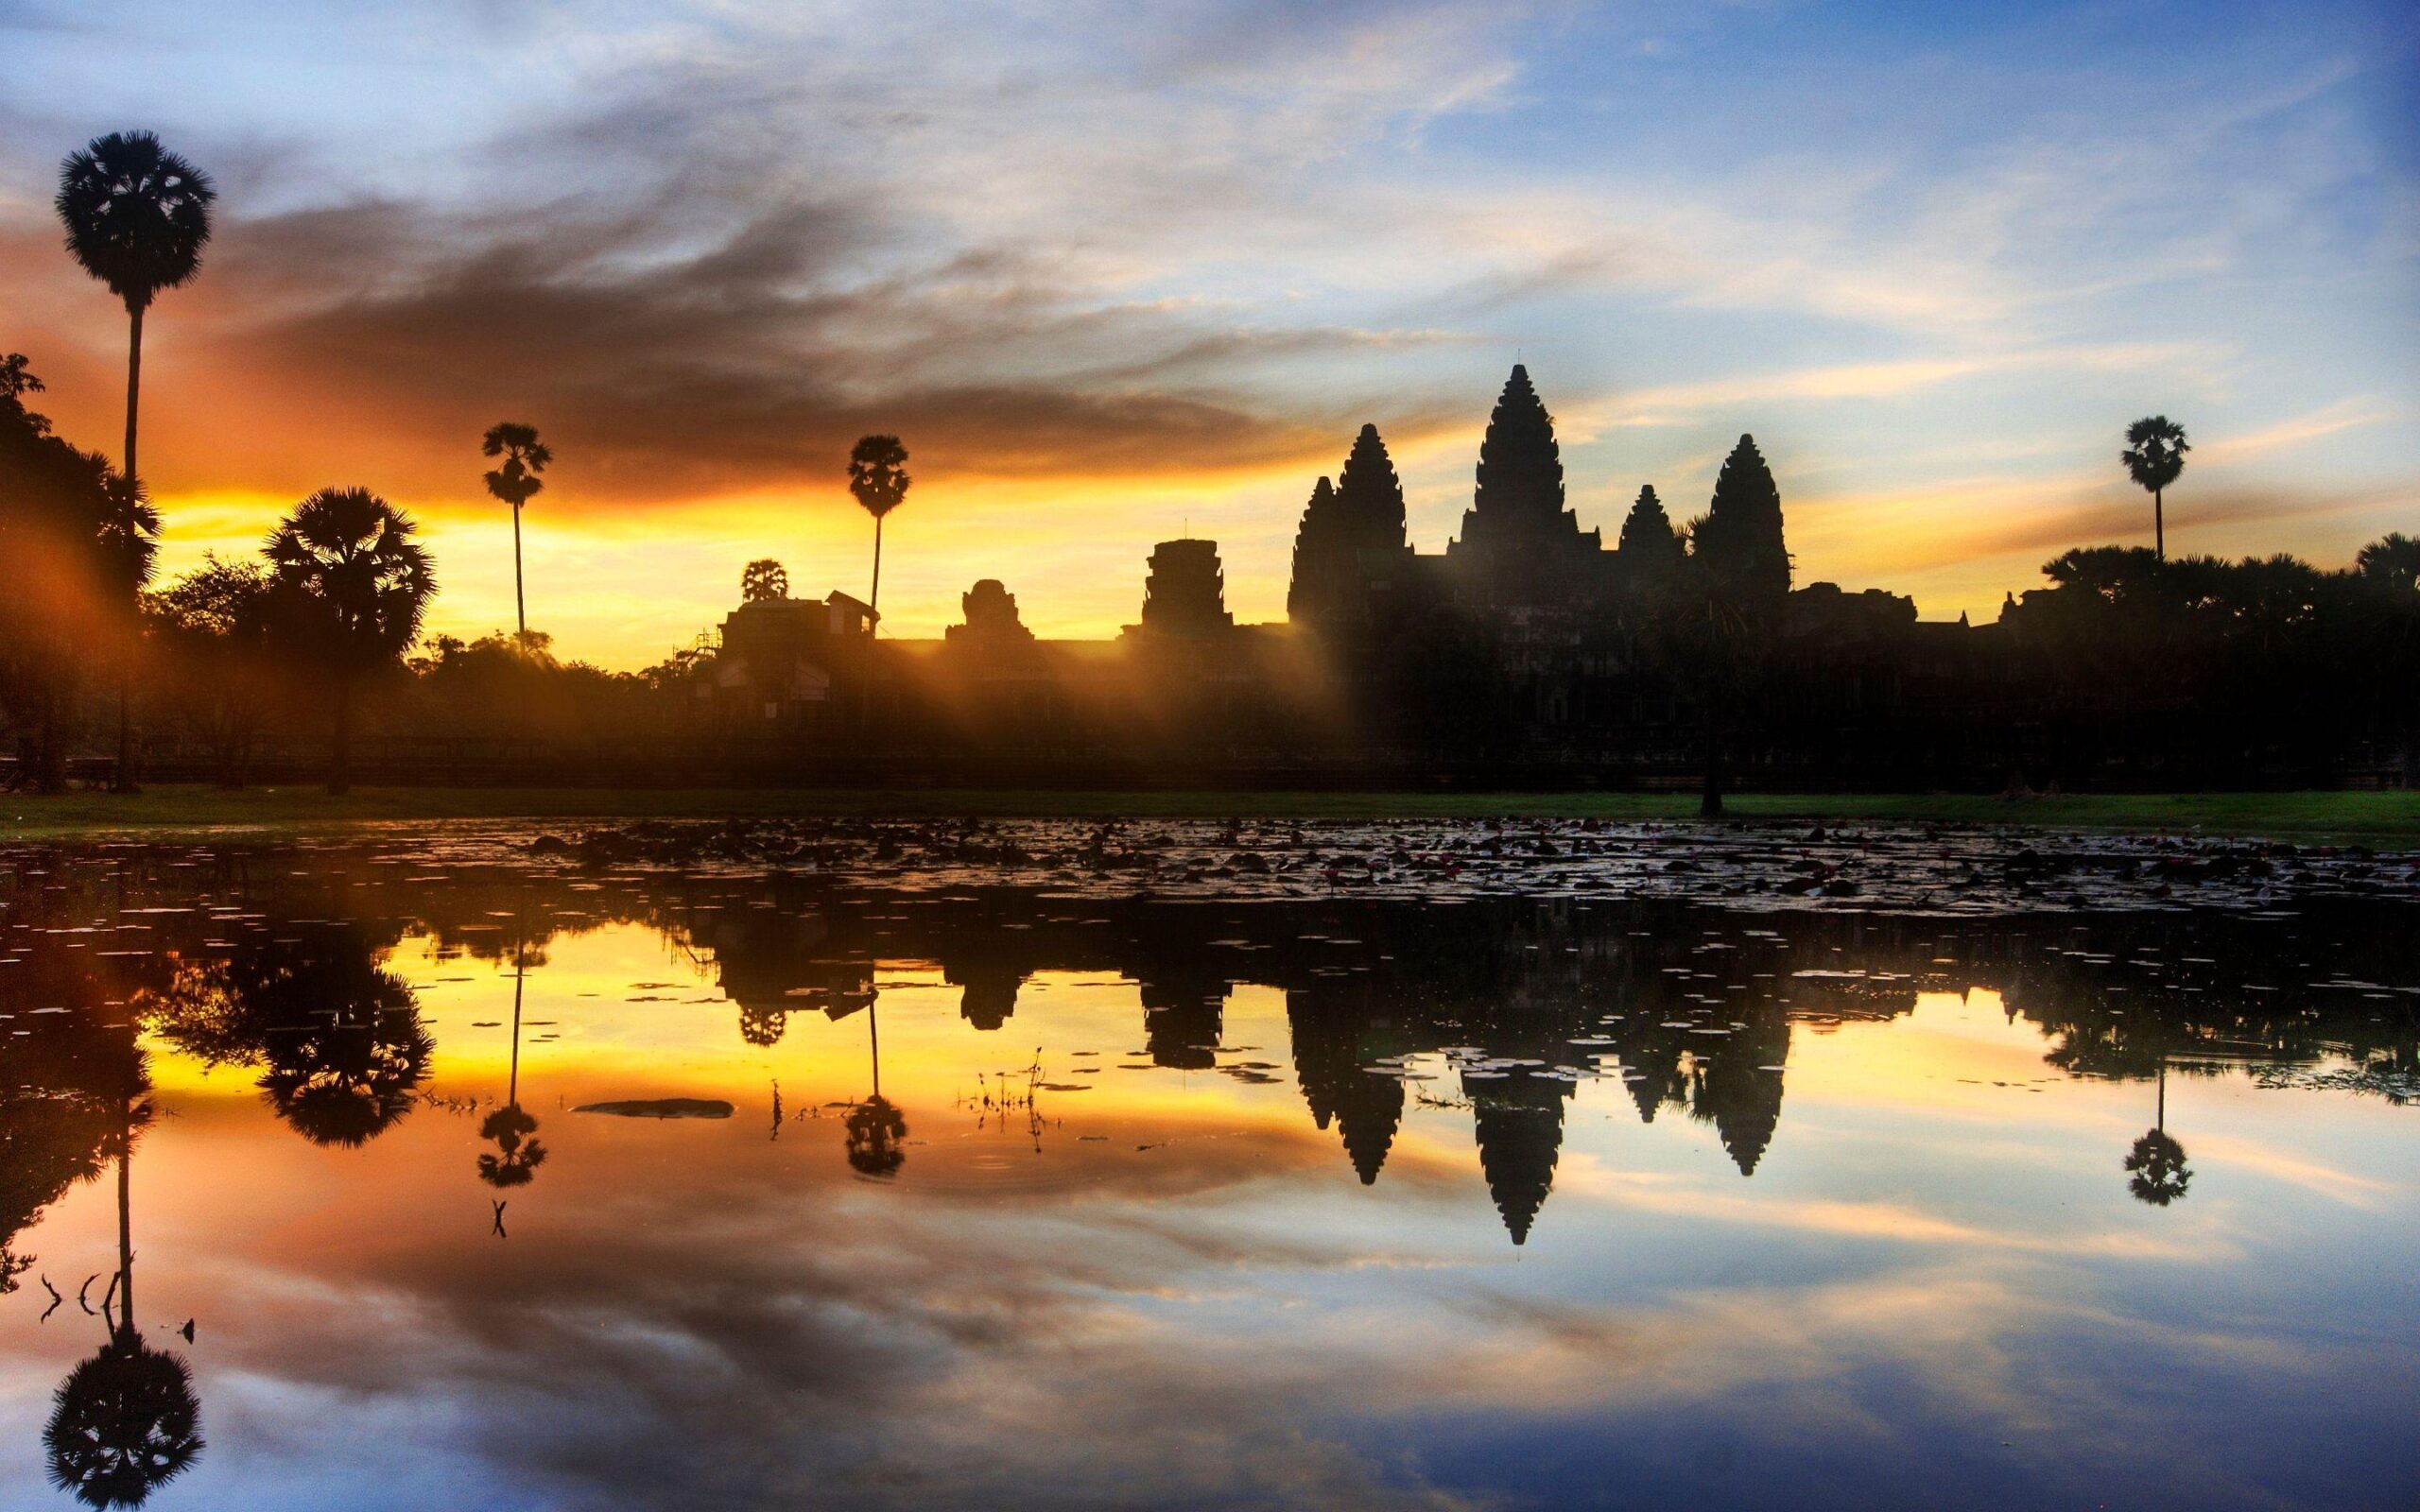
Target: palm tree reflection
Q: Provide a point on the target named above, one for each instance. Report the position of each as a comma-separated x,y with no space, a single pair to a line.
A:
338,1037
2156,1165
875,1127
517,1155
126,1420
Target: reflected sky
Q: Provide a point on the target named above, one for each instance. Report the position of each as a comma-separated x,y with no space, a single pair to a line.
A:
1341,1203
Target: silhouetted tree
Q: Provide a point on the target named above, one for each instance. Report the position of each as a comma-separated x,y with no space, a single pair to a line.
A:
72,540
875,1128
352,586
763,580
516,482
517,1154
137,216
878,479
211,633
2156,1163
2392,561
337,1038
2154,456
72,1090
2157,1166
124,1421
16,378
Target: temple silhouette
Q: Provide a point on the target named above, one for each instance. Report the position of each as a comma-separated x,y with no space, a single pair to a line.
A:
1521,641
1530,651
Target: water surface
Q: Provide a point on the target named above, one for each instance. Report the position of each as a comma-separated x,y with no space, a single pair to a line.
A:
1304,1166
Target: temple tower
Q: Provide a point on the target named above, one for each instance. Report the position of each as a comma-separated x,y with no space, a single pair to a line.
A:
1185,594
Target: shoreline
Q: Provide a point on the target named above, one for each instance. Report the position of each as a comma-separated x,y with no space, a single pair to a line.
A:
2380,819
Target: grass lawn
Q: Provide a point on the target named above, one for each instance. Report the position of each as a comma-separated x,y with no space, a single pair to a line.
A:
2378,819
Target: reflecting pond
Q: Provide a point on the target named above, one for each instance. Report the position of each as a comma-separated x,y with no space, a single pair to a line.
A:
1063,1165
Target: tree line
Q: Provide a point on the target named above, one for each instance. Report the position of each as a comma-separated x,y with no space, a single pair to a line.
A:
341,588
330,612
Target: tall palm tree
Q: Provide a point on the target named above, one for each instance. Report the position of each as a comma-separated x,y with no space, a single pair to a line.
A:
129,543
875,1127
2154,455
518,1154
877,478
125,1420
352,586
2156,1163
137,216
515,483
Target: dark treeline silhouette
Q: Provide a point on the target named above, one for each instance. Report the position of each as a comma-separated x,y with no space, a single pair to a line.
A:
1527,652
229,648
1690,1009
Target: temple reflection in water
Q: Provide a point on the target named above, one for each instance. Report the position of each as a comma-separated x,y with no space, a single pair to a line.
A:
1502,1006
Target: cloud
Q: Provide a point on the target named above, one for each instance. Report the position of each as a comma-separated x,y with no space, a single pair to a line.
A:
1103,258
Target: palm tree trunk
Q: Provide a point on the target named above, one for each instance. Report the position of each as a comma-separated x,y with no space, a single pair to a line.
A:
520,608
126,1225
123,780
340,745
865,679
134,388
2159,526
512,1083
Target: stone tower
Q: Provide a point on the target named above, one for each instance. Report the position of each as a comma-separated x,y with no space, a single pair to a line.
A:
1185,594
1349,551
1519,544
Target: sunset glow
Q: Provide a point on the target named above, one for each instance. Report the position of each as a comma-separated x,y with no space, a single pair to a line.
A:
1139,270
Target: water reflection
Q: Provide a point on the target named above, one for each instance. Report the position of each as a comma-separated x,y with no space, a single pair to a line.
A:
126,1420
1204,1067
517,1155
75,1098
337,1038
2156,1163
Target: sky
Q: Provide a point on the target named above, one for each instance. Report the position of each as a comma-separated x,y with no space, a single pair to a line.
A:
1117,273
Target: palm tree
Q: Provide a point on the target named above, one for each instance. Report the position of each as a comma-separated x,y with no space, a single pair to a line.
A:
129,546
352,586
762,580
137,216
875,1127
2156,1163
2154,455
877,479
2392,559
126,1420
518,1154
515,483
